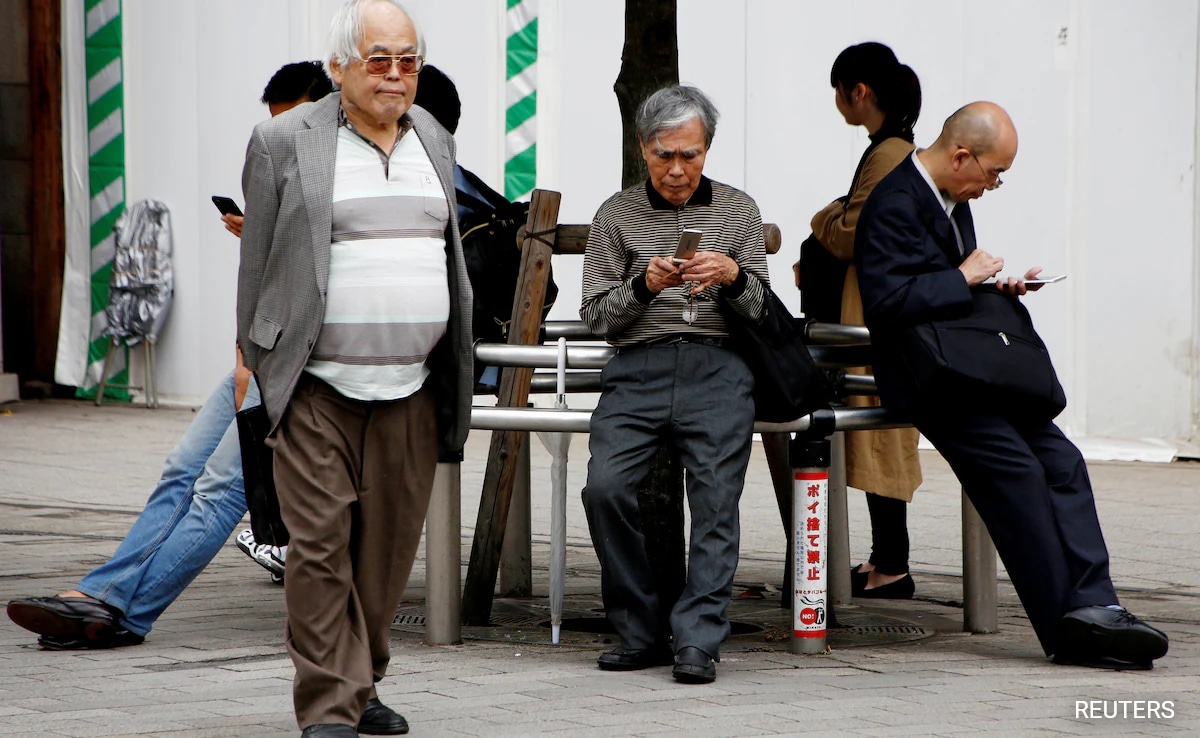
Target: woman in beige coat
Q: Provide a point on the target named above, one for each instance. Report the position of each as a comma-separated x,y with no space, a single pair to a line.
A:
874,90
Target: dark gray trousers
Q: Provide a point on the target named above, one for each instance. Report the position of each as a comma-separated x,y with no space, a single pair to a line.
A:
697,397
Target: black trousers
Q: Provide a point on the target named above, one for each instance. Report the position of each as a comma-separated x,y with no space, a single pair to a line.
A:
1031,488
889,534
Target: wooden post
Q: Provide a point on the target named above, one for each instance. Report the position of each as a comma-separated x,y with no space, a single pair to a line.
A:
538,245
47,219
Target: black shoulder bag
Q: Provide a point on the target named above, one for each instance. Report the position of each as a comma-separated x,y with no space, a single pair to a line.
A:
787,382
992,356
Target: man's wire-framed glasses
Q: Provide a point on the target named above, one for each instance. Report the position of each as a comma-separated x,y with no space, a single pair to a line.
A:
987,177
378,65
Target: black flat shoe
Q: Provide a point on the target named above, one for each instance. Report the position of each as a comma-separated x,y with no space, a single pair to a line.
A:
634,659
901,589
68,618
1101,632
693,666
379,719
858,581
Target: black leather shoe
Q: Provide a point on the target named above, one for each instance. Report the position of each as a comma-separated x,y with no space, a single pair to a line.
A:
1103,662
68,618
329,730
379,719
901,589
633,659
693,666
1098,632
120,637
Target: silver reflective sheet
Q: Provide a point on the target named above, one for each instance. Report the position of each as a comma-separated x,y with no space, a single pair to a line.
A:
141,284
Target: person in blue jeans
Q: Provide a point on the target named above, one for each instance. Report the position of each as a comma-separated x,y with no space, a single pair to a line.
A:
197,503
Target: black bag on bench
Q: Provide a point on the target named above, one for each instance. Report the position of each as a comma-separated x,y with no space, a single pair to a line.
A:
787,382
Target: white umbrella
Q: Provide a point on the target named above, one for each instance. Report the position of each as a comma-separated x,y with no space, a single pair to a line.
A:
557,444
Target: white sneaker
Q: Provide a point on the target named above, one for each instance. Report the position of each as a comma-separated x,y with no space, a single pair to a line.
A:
271,558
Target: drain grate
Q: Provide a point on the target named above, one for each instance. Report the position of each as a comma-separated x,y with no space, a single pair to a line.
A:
753,624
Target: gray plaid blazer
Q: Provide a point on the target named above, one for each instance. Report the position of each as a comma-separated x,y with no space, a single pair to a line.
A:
288,185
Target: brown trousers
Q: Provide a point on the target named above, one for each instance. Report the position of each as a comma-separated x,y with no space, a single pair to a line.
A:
354,481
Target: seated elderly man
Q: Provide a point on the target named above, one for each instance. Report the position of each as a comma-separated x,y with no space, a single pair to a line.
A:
671,366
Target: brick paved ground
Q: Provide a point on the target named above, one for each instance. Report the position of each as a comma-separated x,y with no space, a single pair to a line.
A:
72,478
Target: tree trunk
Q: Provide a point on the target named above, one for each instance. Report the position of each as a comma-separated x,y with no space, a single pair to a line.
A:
649,62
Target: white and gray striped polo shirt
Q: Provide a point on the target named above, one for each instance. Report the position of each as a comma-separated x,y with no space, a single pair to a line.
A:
388,301
637,224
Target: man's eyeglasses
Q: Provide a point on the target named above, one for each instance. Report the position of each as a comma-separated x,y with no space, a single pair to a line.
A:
379,65
987,177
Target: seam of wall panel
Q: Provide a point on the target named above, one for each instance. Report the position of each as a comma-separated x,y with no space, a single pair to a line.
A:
1076,261
1194,362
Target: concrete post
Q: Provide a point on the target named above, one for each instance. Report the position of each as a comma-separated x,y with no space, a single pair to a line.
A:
839,523
979,573
443,558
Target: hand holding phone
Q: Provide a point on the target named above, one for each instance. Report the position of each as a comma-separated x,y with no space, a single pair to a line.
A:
689,241
226,205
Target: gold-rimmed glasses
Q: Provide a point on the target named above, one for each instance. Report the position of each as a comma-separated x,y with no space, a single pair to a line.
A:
378,65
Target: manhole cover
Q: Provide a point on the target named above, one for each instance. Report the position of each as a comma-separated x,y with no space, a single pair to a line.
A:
755,624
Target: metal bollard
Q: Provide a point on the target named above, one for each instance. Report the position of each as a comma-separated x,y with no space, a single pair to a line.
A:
839,523
443,558
979,573
810,502
516,552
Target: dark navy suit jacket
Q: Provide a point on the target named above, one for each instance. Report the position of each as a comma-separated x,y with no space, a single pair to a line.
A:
907,259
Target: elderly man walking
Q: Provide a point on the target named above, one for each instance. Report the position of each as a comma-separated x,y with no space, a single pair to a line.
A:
672,379
354,308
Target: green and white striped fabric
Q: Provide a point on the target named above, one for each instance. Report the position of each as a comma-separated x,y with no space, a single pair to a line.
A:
520,165
106,178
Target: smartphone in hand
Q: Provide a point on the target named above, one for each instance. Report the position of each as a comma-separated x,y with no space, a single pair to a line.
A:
226,205
1046,280
689,241
1028,282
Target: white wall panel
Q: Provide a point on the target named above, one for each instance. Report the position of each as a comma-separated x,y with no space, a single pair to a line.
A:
1103,186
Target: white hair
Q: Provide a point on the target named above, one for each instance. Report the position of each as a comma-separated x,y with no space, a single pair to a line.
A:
346,30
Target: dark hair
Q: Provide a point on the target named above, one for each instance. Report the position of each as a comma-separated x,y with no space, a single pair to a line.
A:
896,87
437,94
297,81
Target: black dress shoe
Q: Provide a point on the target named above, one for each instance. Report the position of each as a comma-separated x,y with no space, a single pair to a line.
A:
379,719
68,618
1093,633
693,666
120,637
329,730
901,589
1103,662
633,659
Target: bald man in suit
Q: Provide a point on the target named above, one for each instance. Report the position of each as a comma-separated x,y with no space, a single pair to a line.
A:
918,261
